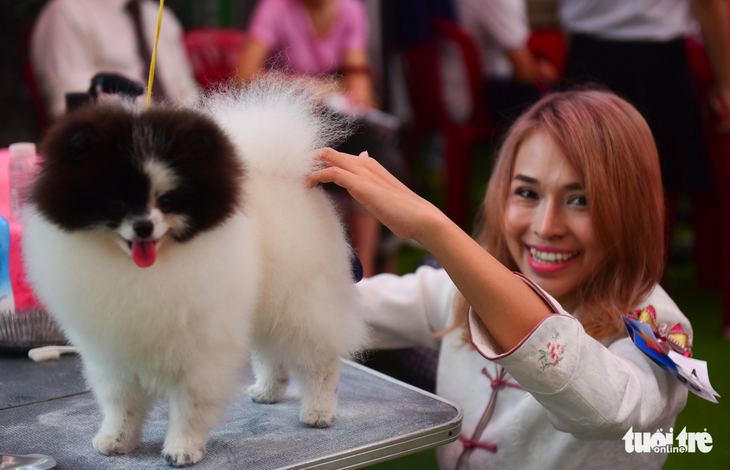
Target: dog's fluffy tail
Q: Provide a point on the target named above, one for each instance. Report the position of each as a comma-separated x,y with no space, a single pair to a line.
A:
276,122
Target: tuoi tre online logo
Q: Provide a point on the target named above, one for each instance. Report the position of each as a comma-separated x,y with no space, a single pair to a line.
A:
660,442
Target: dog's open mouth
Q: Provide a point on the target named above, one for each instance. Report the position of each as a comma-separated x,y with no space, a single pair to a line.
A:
144,253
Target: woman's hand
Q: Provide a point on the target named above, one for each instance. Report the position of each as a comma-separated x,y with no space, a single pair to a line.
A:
401,210
719,100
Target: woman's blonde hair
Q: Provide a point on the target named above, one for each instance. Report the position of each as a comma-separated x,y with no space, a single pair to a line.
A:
609,144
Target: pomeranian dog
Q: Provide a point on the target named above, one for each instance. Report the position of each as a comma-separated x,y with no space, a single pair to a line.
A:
239,259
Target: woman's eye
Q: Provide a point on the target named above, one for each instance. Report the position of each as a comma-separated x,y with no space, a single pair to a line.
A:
578,201
117,206
526,193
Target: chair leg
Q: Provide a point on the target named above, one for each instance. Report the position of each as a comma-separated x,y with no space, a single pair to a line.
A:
719,209
707,233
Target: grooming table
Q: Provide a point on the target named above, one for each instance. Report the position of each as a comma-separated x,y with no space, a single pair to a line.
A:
47,408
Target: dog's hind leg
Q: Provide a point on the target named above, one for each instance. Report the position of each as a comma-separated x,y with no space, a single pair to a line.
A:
318,387
272,379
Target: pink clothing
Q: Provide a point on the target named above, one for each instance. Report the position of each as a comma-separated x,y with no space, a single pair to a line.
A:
285,27
22,291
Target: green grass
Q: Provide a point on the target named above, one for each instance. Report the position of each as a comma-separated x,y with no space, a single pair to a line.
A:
703,309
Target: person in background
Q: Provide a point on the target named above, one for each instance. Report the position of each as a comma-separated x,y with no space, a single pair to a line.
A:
313,38
326,41
73,40
637,49
513,76
572,222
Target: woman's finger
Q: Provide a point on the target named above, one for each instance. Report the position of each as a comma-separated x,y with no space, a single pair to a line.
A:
338,159
331,174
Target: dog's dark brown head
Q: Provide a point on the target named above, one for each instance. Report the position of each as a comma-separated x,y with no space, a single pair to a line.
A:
138,175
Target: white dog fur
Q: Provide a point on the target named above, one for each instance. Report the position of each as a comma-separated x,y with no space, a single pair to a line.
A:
274,279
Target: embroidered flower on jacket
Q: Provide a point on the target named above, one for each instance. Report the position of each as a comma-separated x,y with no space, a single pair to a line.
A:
552,354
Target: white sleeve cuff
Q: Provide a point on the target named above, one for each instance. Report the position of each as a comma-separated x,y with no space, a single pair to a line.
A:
545,358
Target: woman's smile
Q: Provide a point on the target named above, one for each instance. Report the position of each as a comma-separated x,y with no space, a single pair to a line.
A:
549,260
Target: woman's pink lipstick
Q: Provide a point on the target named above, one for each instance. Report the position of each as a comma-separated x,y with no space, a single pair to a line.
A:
545,267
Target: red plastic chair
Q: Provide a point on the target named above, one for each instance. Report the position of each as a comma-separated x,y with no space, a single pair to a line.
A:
214,53
549,44
430,115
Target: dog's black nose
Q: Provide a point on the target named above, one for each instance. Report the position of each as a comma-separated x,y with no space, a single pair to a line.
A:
143,228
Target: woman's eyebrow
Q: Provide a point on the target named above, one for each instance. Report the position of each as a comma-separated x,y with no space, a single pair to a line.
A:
531,180
525,179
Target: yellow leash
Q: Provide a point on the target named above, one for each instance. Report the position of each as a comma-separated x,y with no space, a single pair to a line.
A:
154,57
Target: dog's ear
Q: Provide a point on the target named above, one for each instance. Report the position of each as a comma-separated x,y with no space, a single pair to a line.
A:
202,139
82,133
191,134
68,142
80,140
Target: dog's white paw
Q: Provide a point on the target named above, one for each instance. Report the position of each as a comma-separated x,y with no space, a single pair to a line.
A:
317,418
263,394
114,444
182,457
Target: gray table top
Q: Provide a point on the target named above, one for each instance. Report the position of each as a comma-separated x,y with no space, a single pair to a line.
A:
46,408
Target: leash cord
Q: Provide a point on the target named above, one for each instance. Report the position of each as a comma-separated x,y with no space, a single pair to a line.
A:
154,57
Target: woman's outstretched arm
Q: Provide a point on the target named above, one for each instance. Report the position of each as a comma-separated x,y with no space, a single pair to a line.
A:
505,304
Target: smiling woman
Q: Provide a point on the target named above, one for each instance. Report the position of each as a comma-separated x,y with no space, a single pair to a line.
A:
572,222
580,172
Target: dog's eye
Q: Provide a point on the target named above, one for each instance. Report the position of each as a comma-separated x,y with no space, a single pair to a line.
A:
117,206
166,203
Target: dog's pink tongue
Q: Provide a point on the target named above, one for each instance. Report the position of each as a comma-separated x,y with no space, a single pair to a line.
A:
144,254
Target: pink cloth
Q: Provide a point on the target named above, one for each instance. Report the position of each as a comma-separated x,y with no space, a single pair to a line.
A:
285,27
22,292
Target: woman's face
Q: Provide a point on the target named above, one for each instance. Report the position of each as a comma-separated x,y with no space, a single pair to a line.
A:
547,220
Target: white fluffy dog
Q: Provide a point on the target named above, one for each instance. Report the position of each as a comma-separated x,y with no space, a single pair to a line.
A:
237,254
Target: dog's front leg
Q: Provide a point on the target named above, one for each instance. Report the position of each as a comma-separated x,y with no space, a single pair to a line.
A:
192,416
125,406
196,405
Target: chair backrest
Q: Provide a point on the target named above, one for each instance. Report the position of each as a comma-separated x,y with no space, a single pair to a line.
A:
214,53
550,44
448,30
425,83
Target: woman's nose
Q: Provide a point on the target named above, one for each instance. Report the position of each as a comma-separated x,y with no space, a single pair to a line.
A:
548,221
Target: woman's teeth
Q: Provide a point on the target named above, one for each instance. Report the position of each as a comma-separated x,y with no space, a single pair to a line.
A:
551,257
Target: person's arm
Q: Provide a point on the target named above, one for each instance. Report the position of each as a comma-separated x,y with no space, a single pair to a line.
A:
591,390
358,82
253,55
62,56
508,307
406,311
714,20
530,70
